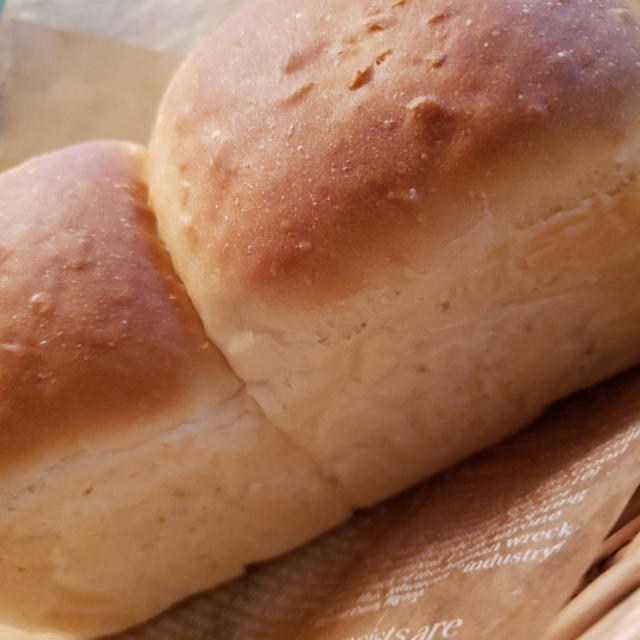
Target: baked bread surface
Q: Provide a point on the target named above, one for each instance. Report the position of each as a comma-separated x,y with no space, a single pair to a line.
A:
135,470
409,226
403,229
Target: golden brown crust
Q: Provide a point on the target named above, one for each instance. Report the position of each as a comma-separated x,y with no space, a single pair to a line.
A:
303,138
96,333
137,471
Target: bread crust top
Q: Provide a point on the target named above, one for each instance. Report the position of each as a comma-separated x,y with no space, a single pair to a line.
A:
304,144
97,331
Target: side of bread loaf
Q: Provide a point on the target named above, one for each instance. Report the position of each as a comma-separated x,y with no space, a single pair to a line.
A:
409,226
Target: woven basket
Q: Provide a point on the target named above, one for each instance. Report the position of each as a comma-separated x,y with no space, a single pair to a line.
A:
606,606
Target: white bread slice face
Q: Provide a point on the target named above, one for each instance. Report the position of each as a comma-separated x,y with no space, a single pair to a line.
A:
136,468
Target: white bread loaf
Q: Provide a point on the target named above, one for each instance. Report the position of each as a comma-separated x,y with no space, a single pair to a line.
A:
136,469
407,226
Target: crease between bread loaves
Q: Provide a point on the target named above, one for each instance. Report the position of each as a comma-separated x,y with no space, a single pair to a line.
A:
406,228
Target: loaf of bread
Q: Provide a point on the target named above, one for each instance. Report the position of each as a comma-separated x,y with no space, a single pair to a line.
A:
403,227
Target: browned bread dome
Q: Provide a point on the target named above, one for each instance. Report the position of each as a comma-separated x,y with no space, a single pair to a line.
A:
409,226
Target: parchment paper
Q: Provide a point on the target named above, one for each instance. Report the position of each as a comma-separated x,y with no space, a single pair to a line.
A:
160,25
63,87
